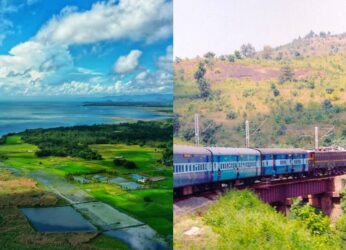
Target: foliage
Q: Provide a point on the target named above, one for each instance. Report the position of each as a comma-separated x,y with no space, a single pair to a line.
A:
286,74
237,54
188,134
231,58
209,55
315,220
203,84
209,132
243,222
276,92
75,141
247,50
124,163
232,115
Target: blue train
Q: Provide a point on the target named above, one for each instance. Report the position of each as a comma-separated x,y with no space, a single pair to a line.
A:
196,166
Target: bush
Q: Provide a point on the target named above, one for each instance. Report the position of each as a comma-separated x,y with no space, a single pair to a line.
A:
232,115
315,220
327,104
125,163
329,90
276,92
147,199
286,74
299,107
188,134
242,221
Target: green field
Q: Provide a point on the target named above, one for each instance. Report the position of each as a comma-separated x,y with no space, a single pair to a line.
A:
151,205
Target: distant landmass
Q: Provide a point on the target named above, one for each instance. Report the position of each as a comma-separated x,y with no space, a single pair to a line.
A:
129,104
147,98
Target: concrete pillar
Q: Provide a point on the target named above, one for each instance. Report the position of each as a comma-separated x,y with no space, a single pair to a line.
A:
326,204
187,190
283,206
315,200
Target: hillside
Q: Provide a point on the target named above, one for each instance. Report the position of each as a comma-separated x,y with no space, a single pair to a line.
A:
283,99
309,46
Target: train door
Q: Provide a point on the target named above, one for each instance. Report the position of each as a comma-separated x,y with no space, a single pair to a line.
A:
290,163
274,165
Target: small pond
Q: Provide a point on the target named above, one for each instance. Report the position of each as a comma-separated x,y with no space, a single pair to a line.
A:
57,219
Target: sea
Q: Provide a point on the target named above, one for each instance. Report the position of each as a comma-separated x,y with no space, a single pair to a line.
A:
19,116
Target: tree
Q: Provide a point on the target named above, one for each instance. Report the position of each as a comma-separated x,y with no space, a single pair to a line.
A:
232,115
311,34
276,92
178,59
327,104
299,107
323,34
267,52
231,58
209,132
209,55
286,74
315,220
188,134
176,124
203,84
247,50
237,54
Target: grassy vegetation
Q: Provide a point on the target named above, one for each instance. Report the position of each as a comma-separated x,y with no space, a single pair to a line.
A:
15,230
156,210
280,113
239,220
75,141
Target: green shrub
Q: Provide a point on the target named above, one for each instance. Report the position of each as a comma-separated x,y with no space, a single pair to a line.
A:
232,115
244,222
125,163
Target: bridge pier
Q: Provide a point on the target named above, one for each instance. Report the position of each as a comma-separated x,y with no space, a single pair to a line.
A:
322,193
283,206
322,201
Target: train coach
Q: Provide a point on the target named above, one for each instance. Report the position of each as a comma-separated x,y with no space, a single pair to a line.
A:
197,167
192,166
283,161
234,163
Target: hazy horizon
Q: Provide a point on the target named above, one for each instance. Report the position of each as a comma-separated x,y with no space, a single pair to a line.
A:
222,26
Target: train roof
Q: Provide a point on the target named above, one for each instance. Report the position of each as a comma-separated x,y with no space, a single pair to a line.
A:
185,149
282,150
233,151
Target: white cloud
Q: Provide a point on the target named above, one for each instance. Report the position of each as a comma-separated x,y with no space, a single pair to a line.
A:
165,62
148,20
154,82
127,63
33,61
43,65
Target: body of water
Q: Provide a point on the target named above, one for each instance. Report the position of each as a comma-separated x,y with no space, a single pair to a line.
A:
19,116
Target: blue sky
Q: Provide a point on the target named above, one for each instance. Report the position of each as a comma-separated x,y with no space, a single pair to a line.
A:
85,48
222,26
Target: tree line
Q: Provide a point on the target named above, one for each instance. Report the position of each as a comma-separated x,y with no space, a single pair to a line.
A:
75,141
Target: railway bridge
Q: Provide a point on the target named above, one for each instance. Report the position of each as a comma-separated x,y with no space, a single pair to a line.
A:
320,192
